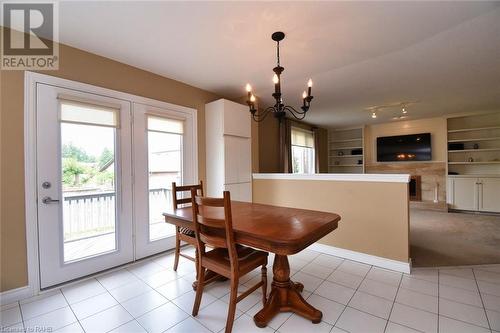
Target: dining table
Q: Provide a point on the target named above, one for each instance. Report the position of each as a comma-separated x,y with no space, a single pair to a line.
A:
283,231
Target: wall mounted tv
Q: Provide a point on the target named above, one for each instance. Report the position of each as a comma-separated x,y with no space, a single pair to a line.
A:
401,148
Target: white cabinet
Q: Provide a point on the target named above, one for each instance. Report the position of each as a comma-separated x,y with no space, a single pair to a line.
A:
238,164
464,194
489,194
474,193
228,150
240,192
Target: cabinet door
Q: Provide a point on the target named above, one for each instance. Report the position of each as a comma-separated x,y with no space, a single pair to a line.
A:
449,191
231,147
489,194
244,160
236,119
465,194
240,192
237,159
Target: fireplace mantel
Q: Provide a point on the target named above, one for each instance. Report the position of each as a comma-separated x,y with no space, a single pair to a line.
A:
433,175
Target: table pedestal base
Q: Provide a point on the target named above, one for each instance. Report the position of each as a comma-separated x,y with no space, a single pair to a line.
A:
285,296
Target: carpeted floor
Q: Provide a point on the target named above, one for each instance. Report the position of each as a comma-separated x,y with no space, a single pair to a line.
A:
453,239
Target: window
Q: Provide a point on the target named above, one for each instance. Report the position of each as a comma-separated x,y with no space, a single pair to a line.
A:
88,147
302,151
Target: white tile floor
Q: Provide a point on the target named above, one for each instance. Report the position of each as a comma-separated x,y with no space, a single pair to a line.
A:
150,297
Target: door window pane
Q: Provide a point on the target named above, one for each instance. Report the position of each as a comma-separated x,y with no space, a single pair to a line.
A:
88,189
164,167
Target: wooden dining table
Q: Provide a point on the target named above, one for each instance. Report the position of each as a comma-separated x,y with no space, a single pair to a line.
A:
282,231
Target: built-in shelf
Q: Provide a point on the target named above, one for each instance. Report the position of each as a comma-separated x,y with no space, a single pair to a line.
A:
346,165
470,163
474,129
347,156
345,140
477,139
473,150
482,131
344,148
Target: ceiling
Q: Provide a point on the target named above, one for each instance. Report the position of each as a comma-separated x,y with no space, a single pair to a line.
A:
446,55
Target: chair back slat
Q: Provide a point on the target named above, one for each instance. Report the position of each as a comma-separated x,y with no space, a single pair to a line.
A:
213,224
213,241
186,199
209,202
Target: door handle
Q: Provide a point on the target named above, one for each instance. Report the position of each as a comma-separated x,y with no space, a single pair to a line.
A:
49,200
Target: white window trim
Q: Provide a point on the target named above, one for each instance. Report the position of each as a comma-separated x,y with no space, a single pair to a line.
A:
31,80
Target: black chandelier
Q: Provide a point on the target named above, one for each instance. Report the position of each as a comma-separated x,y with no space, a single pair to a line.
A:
279,109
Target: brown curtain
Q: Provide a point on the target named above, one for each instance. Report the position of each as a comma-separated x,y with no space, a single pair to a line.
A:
286,145
315,131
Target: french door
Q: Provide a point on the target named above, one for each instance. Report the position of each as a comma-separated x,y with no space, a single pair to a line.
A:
104,171
163,153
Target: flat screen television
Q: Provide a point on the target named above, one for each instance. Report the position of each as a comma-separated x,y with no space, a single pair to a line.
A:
401,148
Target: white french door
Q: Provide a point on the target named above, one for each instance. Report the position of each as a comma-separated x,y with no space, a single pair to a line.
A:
84,181
105,166
163,153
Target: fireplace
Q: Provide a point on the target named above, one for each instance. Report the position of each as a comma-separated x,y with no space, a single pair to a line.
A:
415,188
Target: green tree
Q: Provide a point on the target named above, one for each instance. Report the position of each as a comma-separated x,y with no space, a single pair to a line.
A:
72,170
105,178
69,150
106,156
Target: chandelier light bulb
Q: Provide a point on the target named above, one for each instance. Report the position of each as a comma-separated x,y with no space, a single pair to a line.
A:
304,95
276,79
404,110
310,83
252,98
248,87
374,115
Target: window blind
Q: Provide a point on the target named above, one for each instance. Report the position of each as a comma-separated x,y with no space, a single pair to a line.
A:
165,125
89,114
302,138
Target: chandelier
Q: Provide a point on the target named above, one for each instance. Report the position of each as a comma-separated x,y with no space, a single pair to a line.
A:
279,109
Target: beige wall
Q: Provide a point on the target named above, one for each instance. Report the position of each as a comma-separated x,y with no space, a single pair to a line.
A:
435,126
84,67
371,223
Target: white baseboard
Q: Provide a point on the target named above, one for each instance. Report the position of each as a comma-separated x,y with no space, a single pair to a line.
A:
399,266
14,295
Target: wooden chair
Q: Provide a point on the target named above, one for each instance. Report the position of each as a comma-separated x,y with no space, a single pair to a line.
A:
184,234
214,227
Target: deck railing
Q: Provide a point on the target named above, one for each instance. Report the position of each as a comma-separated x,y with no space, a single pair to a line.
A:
88,215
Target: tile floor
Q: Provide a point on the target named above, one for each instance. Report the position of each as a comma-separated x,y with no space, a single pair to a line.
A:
149,297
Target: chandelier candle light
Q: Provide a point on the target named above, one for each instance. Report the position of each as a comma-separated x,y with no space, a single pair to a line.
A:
279,109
